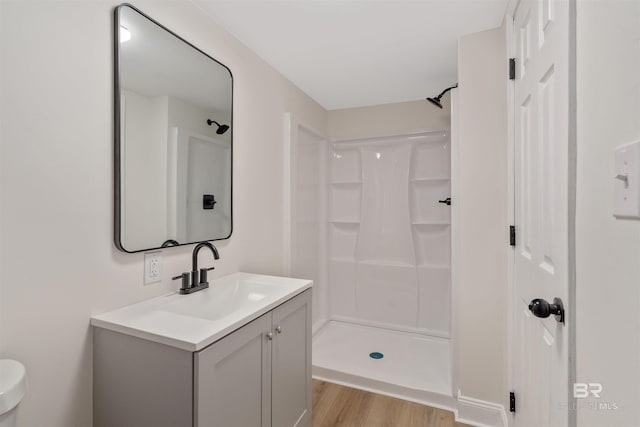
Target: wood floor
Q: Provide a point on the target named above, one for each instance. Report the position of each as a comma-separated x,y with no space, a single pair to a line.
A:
338,406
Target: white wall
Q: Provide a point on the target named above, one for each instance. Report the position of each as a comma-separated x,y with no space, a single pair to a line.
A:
481,321
308,214
607,250
58,265
388,119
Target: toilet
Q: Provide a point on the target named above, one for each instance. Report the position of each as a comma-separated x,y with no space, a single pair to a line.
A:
12,388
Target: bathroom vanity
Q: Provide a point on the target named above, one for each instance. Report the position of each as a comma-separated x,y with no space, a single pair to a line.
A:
236,354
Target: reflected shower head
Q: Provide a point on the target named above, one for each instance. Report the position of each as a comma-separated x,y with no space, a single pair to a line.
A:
436,101
221,128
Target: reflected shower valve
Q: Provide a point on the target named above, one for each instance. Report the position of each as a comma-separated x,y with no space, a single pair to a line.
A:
208,201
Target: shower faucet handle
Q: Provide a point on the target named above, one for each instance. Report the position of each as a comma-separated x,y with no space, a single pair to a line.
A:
446,201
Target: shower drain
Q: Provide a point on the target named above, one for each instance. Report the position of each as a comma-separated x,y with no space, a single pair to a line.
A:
376,355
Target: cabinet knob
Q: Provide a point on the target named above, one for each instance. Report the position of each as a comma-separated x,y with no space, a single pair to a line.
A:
279,330
269,336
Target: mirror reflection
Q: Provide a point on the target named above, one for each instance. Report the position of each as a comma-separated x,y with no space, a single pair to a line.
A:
173,138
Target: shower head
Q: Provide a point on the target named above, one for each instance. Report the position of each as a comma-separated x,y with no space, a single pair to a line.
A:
436,101
221,128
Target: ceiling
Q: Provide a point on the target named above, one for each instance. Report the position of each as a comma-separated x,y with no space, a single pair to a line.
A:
350,53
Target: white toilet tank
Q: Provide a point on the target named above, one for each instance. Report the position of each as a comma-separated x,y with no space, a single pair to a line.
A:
12,389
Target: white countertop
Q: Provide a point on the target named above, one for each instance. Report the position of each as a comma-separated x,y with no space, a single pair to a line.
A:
192,322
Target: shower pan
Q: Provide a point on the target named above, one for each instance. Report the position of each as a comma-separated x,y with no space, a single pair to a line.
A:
382,320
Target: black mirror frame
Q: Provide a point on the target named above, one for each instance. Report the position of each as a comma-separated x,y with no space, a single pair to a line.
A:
117,202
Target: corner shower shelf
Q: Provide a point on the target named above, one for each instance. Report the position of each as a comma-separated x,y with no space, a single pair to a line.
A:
428,227
351,260
431,223
435,178
346,183
435,266
345,222
386,263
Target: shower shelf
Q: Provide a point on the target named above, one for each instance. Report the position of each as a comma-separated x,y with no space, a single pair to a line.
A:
435,266
346,183
431,223
426,225
383,263
435,178
337,259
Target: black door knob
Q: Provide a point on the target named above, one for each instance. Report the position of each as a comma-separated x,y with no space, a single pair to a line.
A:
541,308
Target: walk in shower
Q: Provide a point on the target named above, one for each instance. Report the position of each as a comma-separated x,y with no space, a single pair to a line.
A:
372,224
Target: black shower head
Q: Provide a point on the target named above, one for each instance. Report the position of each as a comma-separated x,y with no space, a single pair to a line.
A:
221,128
436,101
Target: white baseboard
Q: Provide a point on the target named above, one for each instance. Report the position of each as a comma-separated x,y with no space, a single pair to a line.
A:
422,397
480,413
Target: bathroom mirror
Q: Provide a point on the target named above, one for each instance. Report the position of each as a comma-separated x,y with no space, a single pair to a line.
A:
173,138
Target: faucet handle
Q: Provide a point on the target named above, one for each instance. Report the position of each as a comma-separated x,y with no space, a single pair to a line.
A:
203,274
185,280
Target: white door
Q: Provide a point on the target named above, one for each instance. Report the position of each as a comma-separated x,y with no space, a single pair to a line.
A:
541,345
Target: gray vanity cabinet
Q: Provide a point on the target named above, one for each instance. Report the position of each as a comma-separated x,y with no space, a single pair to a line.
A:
261,374
257,376
291,363
232,378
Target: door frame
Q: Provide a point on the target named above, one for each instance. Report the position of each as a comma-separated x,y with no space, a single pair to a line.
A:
292,125
570,305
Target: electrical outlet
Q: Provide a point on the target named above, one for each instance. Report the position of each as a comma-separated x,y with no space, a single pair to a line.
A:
152,267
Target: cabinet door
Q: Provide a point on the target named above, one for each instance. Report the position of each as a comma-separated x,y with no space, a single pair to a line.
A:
232,379
291,364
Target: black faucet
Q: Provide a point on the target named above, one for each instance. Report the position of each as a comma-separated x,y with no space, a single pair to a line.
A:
198,278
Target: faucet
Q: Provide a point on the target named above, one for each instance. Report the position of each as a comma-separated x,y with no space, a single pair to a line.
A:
198,278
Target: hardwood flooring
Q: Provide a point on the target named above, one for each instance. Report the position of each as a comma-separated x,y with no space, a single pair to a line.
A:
339,406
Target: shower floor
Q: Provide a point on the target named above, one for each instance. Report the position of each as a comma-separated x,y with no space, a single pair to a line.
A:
413,367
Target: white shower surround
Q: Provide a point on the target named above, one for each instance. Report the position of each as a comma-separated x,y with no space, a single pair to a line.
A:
389,249
367,227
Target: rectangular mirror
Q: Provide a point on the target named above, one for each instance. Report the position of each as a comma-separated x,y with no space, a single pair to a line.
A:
173,138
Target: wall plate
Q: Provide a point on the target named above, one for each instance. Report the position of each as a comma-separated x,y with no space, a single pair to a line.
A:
152,267
626,177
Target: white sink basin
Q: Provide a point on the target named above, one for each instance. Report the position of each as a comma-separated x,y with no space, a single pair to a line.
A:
221,301
192,322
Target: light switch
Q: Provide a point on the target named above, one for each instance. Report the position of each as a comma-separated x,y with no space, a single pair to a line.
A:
626,186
